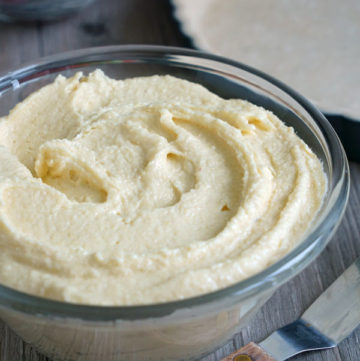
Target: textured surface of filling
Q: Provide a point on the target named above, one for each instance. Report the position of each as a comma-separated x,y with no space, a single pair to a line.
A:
146,190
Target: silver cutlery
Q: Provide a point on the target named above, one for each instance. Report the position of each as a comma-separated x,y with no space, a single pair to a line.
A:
330,319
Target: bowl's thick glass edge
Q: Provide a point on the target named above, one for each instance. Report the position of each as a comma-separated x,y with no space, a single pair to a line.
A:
276,274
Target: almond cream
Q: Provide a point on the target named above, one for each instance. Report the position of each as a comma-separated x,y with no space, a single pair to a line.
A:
146,190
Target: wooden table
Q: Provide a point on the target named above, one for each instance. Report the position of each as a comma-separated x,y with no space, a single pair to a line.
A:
150,22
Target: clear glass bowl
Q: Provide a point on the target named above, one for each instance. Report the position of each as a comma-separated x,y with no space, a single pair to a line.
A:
186,329
30,10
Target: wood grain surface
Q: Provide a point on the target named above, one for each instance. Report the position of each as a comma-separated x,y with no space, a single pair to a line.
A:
150,22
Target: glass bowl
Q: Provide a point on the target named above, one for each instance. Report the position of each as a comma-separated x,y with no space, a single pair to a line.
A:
190,328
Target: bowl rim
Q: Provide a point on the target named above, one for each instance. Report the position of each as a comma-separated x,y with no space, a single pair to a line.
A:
276,274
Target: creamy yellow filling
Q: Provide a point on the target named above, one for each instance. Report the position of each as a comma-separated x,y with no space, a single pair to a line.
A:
146,190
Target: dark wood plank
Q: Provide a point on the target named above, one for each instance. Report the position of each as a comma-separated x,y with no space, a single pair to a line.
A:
106,22
109,22
18,44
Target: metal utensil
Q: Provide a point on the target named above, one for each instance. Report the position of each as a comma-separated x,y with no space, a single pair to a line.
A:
330,319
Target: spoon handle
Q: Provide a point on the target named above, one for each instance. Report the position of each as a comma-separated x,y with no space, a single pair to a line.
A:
250,352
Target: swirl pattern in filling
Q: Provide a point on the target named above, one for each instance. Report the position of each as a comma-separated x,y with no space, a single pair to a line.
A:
146,190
